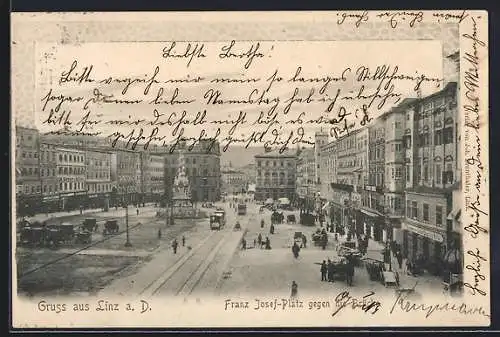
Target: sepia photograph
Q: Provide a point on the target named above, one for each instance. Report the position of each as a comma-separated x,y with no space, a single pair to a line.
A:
256,169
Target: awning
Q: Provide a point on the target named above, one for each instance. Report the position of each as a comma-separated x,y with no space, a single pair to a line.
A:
369,213
455,214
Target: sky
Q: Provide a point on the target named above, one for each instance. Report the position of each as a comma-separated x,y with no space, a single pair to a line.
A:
317,59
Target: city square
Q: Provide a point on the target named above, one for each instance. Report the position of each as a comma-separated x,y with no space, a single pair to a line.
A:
190,221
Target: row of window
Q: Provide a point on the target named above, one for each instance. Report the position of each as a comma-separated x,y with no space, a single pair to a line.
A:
98,175
129,166
99,188
274,163
444,136
423,214
48,155
71,158
97,162
71,170
440,176
52,188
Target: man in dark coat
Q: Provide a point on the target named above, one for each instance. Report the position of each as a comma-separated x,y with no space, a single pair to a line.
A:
324,269
399,257
330,270
175,245
349,271
295,289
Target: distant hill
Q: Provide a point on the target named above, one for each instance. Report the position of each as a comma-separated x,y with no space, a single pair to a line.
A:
239,156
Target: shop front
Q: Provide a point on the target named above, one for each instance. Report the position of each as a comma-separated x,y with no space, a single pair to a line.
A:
341,210
50,203
98,200
426,245
372,224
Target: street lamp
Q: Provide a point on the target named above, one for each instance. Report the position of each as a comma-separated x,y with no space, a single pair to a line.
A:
127,243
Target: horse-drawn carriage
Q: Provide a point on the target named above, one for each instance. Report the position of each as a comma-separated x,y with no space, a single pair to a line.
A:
32,233
290,218
111,227
43,234
90,225
320,238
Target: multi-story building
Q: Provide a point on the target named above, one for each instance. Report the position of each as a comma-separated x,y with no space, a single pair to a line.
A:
49,177
128,176
202,167
328,169
153,170
370,218
233,181
349,173
305,184
395,166
28,188
98,180
275,175
434,172
71,175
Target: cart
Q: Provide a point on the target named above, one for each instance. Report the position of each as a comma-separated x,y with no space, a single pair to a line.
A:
390,279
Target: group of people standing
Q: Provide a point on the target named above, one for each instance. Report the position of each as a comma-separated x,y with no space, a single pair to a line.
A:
344,268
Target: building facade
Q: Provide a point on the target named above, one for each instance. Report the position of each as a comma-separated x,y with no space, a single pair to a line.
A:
71,175
434,173
98,180
28,187
306,181
276,175
49,177
233,181
128,176
153,170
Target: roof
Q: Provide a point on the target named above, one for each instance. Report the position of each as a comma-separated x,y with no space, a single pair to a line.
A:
276,153
450,86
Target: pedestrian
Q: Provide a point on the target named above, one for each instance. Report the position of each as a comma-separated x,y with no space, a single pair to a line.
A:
399,257
349,271
268,243
183,241
304,241
174,246
330,270
295,250
259,240
324,269
159,233
254,243
137,211
295,289
243,244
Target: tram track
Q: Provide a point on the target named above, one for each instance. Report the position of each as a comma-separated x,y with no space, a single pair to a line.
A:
184,276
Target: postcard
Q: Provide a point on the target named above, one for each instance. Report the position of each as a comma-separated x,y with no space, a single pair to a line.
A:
250,169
